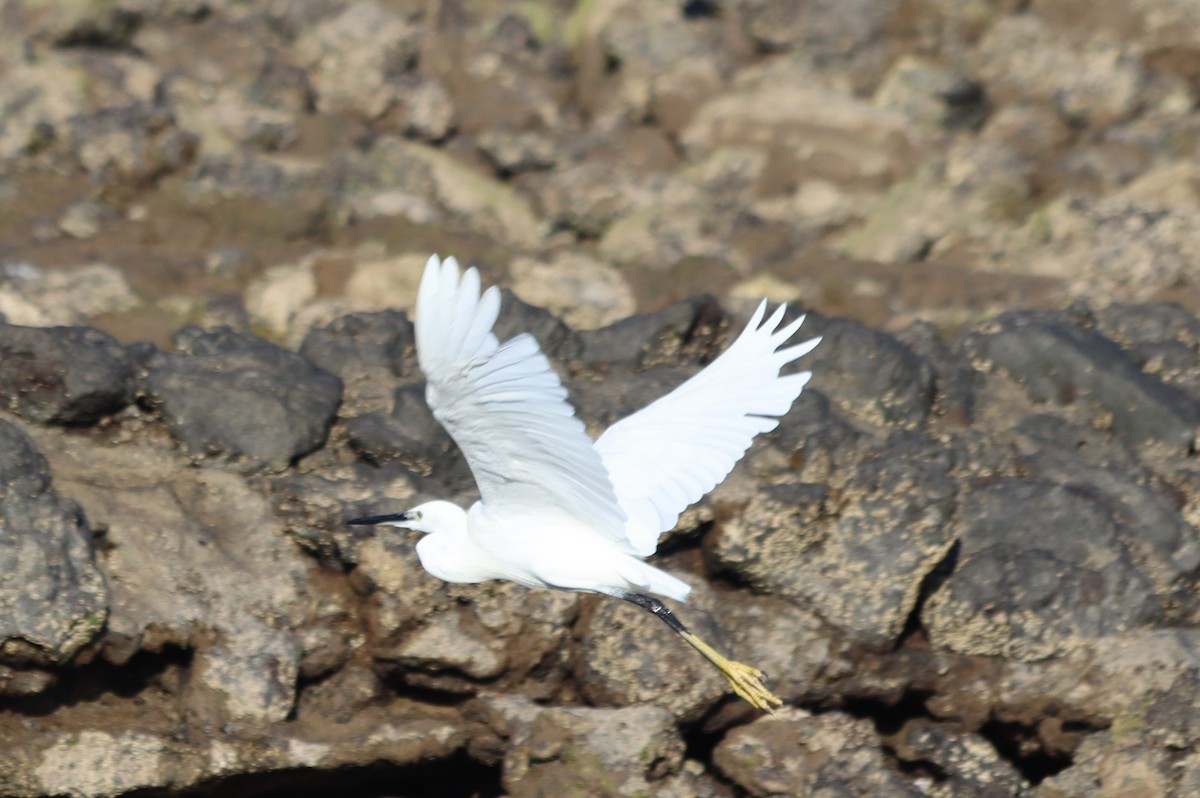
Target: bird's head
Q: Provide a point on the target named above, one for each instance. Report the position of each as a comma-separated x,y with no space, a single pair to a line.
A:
429,517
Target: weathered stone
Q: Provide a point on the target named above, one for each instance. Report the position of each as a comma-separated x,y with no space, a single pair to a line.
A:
239,396
53,599
871,374
369,353
366,40
1040,569
799,754
585,293
602,752
37,298
1061,363
63,375
862,569
627,657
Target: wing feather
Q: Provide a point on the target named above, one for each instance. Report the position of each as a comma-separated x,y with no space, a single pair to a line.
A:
665,457
506,409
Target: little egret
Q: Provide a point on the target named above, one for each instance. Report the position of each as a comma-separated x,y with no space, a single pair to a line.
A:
557,510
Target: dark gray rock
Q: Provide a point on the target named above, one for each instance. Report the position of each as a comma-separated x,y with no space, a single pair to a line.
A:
363,344
968,764
872,375
411,435
1060,362
517,316
676,334
857,559
1146,510
63,375
955,380
1041,568
238,396
625,656
53,600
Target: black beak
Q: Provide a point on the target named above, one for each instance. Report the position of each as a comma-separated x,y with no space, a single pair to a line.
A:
378,519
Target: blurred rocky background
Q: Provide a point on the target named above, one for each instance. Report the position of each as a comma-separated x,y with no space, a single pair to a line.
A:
968,557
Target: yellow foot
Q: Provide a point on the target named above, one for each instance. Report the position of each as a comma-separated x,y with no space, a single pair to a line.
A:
745,680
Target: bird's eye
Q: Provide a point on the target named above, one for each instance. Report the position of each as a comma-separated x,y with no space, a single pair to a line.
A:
416,515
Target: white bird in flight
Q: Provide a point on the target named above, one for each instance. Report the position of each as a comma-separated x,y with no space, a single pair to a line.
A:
557,510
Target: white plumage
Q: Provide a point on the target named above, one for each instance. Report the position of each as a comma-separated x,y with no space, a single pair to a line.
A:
557,509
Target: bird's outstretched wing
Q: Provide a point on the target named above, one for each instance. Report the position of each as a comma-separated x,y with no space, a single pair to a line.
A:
505,407
668,455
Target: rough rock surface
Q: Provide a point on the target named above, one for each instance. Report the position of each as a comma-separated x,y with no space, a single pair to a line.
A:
63,375
54,599
968,557
234,395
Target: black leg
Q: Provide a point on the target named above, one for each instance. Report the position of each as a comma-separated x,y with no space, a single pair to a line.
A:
746,681
657,607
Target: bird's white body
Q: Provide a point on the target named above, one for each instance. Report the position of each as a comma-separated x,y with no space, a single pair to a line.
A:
537,550
556,509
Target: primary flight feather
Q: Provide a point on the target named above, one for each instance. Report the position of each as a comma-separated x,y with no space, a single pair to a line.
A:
556,509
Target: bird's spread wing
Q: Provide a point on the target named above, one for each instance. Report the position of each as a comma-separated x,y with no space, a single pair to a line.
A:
668,455
506,408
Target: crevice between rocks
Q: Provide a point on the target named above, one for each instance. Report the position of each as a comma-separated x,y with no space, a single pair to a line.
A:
90,682
456,776
1021,745
930,583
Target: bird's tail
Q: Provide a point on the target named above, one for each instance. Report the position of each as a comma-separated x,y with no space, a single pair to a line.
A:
643,576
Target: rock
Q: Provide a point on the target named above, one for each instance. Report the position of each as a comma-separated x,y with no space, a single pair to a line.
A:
860,567
194,559
956,382
602,752
872,375
968,764
109,25
931,96
409,433
514,153
1059,363
63,375
138,143
686,330
238,396
1111,249
628,657
37,98
86,763
590,197
809,131
96,763
1021,593
386,282
53,599
585,293
799,754
426,110
395,177
1151,525
276,296
804,657
369,352
1093,83
82,219
462,639
366,40
37,298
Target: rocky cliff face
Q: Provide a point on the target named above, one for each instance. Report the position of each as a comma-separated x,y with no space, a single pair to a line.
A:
968,557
